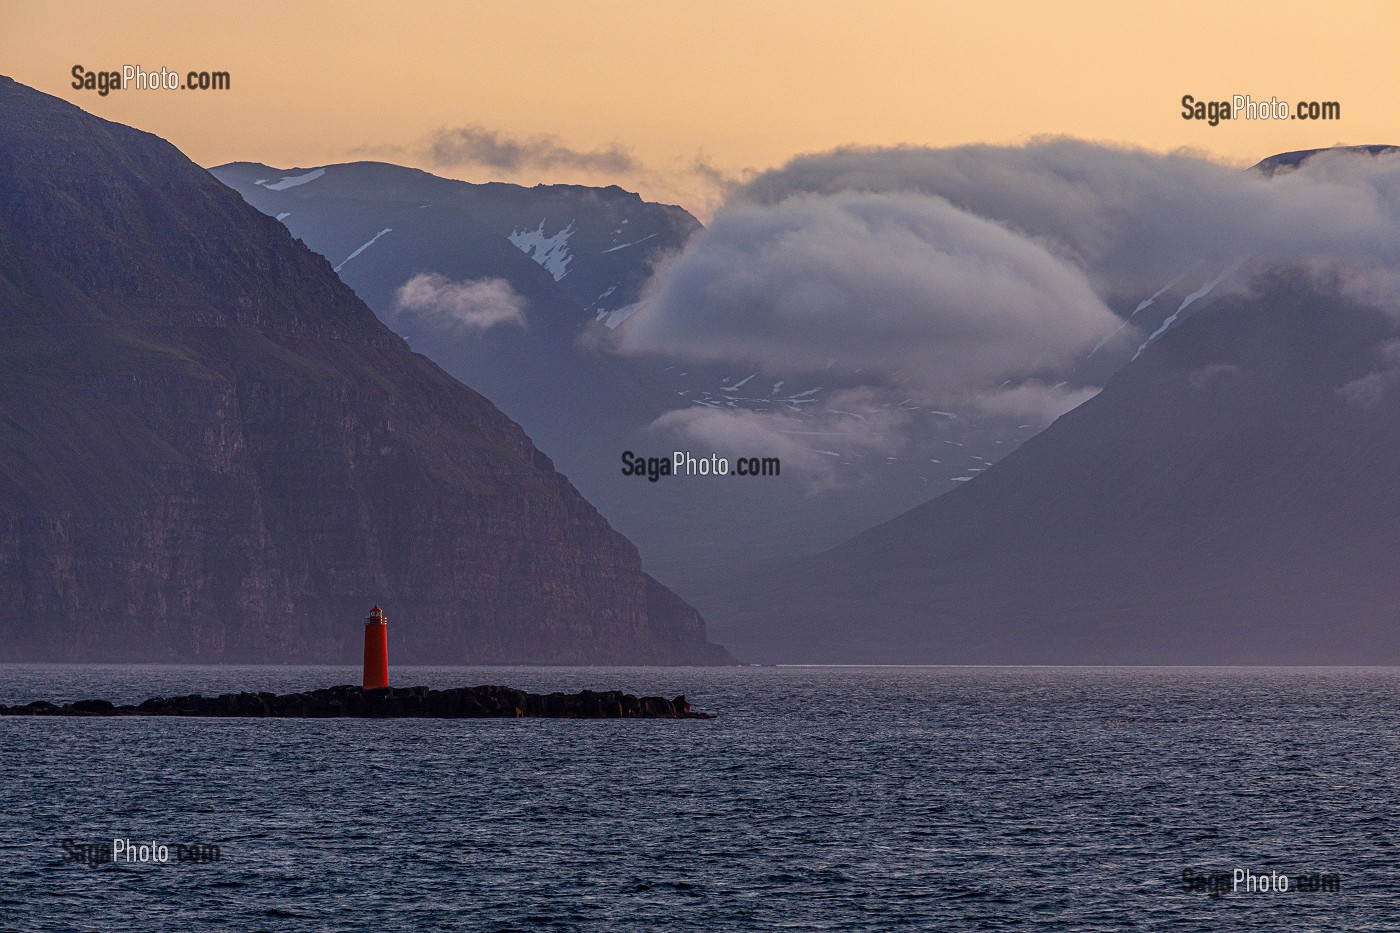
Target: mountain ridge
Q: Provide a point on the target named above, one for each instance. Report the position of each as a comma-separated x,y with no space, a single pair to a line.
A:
218,453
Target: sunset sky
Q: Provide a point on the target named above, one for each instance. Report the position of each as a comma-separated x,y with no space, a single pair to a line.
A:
639,92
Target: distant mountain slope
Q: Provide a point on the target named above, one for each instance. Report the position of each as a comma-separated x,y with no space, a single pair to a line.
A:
381,224
580,406
578,256
597,244
216,452
1230,497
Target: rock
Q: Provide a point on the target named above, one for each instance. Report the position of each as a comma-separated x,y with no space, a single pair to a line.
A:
385,703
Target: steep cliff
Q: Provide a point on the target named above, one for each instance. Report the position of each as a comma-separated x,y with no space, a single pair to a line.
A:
214,451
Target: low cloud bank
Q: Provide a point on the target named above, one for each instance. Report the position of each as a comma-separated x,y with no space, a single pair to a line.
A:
982,276
480,146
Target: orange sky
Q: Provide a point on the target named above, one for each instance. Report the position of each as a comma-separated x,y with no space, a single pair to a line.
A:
748,84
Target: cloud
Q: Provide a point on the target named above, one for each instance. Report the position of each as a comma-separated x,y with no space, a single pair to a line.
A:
906,287
944,271
717,179
695,182
816,446
701,185
1031,401
1212,373
476,145
1129,220
1370,390
470,306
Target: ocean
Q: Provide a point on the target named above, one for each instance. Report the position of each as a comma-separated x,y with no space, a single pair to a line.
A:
820,798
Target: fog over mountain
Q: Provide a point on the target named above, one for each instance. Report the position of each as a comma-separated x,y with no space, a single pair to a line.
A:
830,257
889,322
523,293
987,277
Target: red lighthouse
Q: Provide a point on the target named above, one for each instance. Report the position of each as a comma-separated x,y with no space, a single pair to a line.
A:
376,650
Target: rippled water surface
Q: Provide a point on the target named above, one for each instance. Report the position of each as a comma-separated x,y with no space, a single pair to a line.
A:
819,799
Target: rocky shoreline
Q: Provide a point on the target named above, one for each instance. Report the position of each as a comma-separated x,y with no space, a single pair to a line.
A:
484,702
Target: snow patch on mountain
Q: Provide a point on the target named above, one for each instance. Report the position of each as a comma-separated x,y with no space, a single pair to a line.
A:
1187,302
363,248
614,249
1142,306
615,318
291,181
552,252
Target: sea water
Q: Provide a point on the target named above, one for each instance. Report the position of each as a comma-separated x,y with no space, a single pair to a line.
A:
819,799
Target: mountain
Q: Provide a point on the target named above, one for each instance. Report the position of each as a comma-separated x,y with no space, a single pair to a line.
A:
597,244
1287,161
384,226
216,452
1229,497
578,257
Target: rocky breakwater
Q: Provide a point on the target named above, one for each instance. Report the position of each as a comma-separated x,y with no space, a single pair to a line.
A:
484,702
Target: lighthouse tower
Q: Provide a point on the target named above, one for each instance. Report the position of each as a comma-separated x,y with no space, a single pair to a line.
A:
376,650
